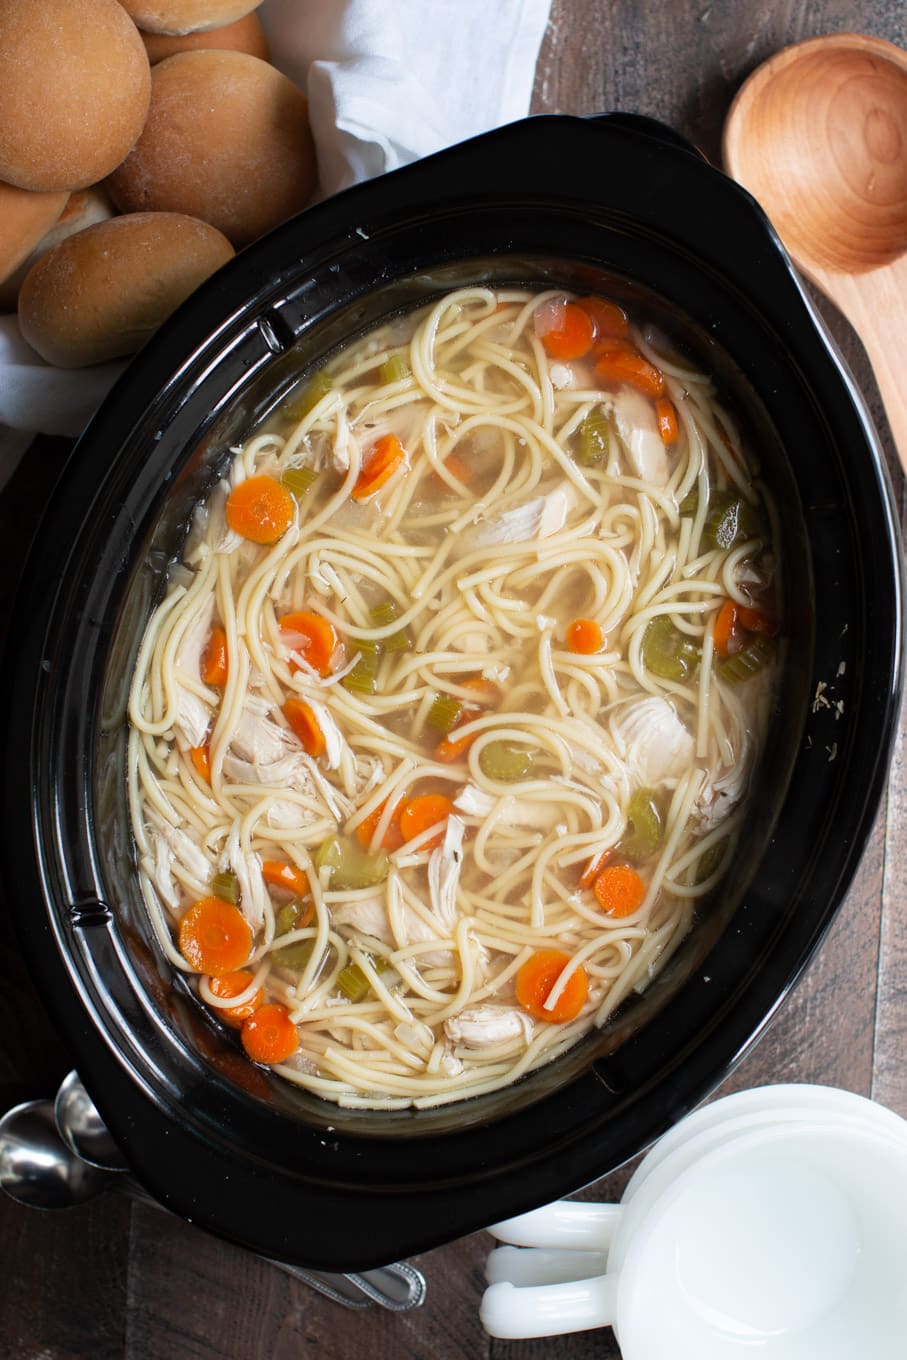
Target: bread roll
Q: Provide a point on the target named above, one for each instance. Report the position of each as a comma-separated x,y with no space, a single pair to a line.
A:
246,35
74,89
227,140
24,218
82,209
186,16
101,293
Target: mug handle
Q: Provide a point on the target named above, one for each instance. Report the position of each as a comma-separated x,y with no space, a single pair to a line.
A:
573,1225
515,1314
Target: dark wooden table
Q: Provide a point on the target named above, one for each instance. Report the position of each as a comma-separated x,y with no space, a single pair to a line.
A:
113,1281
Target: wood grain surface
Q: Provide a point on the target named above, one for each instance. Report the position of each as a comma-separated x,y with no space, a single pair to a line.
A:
117,1281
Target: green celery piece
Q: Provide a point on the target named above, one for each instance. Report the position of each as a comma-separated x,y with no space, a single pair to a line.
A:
226,887
351,867
443,714
298,480
645,827
385,613
363,678
594,439
746,663
500,760
667,652
318,386
295,955
730,519
394,369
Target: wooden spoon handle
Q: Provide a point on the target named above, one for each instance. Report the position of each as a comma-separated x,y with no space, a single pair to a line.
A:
875,304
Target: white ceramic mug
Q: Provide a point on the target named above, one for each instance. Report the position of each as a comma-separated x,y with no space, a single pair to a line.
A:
786,1235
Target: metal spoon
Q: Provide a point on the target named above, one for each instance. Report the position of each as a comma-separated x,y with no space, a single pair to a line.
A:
41,1170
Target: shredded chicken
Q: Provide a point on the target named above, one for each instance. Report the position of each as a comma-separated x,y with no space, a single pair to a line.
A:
634,419
652,740
484,1026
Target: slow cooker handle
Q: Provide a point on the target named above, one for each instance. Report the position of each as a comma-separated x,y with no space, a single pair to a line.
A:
649,127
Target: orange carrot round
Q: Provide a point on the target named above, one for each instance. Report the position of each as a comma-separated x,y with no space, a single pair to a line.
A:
260,509
385,458
214,660
756,620
214,937
537,977
269,1036
619,890
201,759
233,984
585,636
621,363
279,874
305,725
666,420
726,632
419,813
571,334
311,635
607,318
594,868
393,836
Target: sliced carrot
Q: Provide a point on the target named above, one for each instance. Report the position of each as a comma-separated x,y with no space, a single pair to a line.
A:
567,332
457,467
214,660
305,725
607,318
756,621
585,636
233,984
621,363
594,868
666,420
214,937
619,890
538,976
269,1036
312,636
726,632
450,749
486,691
386,457
201,759
277,873
393,836
419,813
260,509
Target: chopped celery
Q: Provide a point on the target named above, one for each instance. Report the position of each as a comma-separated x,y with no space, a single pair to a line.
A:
594,439
385,613
225,886
443,714
730,519
350,865
667,652
394,369
500,760
689,505
746,663
709,861
645,827
298,480
363,678
352,981
317,387
295,955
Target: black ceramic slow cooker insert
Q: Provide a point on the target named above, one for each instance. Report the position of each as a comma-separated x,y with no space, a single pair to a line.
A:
614,205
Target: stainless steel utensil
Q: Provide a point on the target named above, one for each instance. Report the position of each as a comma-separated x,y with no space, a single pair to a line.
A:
57,1155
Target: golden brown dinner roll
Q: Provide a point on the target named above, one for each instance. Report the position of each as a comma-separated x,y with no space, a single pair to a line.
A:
74,89
24,218
246,35
186,16
227,140
83,209
100,294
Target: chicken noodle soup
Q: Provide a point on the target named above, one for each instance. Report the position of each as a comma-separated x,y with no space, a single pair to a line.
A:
445,725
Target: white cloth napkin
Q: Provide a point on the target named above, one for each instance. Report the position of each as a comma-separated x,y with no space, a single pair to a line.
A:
388,81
